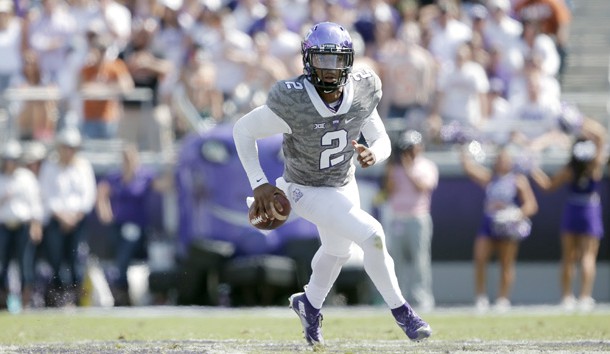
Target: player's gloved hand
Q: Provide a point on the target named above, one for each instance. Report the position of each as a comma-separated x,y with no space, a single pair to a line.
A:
364,155
264,201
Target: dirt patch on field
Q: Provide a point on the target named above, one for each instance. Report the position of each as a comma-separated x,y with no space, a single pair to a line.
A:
235,347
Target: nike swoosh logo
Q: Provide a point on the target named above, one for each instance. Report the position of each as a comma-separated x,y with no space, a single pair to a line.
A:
349,120
258,180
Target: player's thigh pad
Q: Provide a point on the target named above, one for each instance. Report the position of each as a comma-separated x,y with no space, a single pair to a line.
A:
335,211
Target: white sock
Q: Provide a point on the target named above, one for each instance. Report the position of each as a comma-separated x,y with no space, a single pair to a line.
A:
325,270
379,266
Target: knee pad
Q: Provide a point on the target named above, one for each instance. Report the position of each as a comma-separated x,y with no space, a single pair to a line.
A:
339,260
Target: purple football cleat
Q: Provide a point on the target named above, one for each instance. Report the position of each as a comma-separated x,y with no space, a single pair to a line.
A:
414,327
311,318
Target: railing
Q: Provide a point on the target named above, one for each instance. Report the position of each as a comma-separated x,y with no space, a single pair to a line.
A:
103,153
12,95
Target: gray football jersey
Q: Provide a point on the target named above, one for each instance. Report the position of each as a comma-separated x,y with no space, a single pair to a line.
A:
319,152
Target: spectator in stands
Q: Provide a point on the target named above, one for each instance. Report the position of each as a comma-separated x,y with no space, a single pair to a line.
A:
461,98
447,33
294,13
554,19
283,43
20,221
368,15
117,22
501,33
500,27
109,18
534,118
105,18
497,69
67,183
509,203
408,72
549,86
409,16
148,66
498,126
171,39
321,10
199,78
87,15
51,32
11,45
231,52
121,199
535,43
581,226
338,12
264,71
479,48
34,153
246,13
142,9
37,118
149,69
410,180
103,81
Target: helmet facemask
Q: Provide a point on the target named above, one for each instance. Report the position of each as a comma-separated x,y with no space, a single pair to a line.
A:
328,69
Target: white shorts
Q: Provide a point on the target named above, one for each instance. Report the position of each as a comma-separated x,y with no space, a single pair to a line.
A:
336,213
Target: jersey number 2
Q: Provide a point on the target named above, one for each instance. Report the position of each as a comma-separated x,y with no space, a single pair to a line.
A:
338,141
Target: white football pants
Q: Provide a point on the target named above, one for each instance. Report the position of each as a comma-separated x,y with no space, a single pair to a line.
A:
340,221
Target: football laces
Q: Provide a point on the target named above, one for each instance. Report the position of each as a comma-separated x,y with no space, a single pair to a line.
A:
257,220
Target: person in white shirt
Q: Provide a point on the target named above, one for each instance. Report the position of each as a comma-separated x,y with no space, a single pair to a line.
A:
117,20
11,32
51,33
461,95
68,189
549,85
498,126
447,34
534,118
284,44
535,43
500,27
171,39
20,220
230,50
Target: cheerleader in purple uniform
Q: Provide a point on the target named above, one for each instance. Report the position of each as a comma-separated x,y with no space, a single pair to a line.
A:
509,203
581,225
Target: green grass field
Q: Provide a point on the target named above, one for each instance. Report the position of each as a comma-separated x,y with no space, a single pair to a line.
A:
346,330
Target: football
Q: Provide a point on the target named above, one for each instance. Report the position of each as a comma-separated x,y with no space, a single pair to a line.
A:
270,224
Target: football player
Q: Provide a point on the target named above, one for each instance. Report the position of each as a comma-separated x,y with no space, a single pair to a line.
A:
321,115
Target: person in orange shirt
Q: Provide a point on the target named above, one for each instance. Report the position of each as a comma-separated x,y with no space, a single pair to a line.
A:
104,80
554,17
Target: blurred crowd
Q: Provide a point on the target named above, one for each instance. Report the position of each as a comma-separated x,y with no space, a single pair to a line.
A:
453,69
148,72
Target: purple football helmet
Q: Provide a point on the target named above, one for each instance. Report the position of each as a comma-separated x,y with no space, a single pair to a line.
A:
328,56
